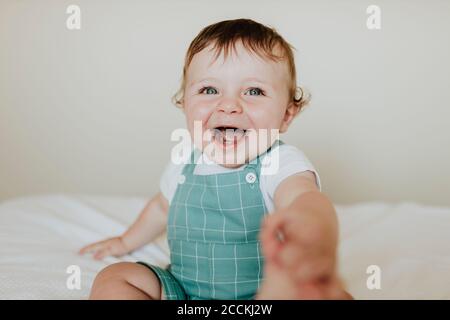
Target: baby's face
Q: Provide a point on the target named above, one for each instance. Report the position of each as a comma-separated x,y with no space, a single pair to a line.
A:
235,96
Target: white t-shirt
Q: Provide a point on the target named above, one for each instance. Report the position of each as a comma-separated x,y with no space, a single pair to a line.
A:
291,161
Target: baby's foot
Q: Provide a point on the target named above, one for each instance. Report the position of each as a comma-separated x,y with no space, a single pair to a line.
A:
300,257
278,284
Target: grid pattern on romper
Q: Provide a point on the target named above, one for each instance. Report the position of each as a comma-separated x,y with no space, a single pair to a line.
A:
213,229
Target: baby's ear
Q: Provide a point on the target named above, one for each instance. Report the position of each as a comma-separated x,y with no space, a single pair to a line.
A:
180,105
291,111
178,100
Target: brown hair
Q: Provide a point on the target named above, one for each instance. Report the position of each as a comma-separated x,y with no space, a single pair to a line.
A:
256,38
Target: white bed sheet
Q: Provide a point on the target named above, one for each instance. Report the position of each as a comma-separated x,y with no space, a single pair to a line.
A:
40,237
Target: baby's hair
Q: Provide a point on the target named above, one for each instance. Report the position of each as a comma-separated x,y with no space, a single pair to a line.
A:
256,38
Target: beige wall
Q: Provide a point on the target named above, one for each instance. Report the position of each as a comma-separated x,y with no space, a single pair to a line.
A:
89,111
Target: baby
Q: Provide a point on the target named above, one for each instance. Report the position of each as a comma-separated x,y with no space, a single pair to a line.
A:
235,229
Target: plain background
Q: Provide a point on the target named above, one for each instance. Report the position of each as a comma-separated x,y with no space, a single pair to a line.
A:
89,111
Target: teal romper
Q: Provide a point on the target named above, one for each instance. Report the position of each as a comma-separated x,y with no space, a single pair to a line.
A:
213,234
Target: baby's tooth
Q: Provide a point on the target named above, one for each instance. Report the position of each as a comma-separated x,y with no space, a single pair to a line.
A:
229,134
239,133
218,135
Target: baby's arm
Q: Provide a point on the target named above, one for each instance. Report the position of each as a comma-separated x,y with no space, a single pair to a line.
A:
150,224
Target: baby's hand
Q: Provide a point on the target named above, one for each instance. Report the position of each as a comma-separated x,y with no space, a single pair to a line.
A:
109,247
307,249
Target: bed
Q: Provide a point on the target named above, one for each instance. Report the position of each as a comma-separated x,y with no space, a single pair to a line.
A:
40,237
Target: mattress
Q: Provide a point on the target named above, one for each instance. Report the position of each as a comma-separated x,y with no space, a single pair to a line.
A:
407,243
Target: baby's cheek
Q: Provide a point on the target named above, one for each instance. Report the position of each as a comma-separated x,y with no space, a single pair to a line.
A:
266,121
193,116
200,112
196,123
265,116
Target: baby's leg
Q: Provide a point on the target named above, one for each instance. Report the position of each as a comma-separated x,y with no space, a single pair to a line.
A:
126,280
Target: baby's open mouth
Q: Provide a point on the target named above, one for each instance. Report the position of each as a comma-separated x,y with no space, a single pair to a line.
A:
228,135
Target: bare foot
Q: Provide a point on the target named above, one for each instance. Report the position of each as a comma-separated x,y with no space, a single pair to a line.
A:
300,257
279,285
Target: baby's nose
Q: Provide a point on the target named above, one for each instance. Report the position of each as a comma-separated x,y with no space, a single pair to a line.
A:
229,106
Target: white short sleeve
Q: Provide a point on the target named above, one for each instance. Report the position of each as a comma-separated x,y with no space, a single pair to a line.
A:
291,161
169,180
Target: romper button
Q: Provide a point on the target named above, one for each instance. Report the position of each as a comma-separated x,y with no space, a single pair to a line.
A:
181,179
250,177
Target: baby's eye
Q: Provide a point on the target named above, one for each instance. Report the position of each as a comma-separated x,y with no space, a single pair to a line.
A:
255,92
208,90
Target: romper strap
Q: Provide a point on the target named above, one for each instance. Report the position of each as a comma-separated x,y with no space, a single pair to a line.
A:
190,165
257,161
